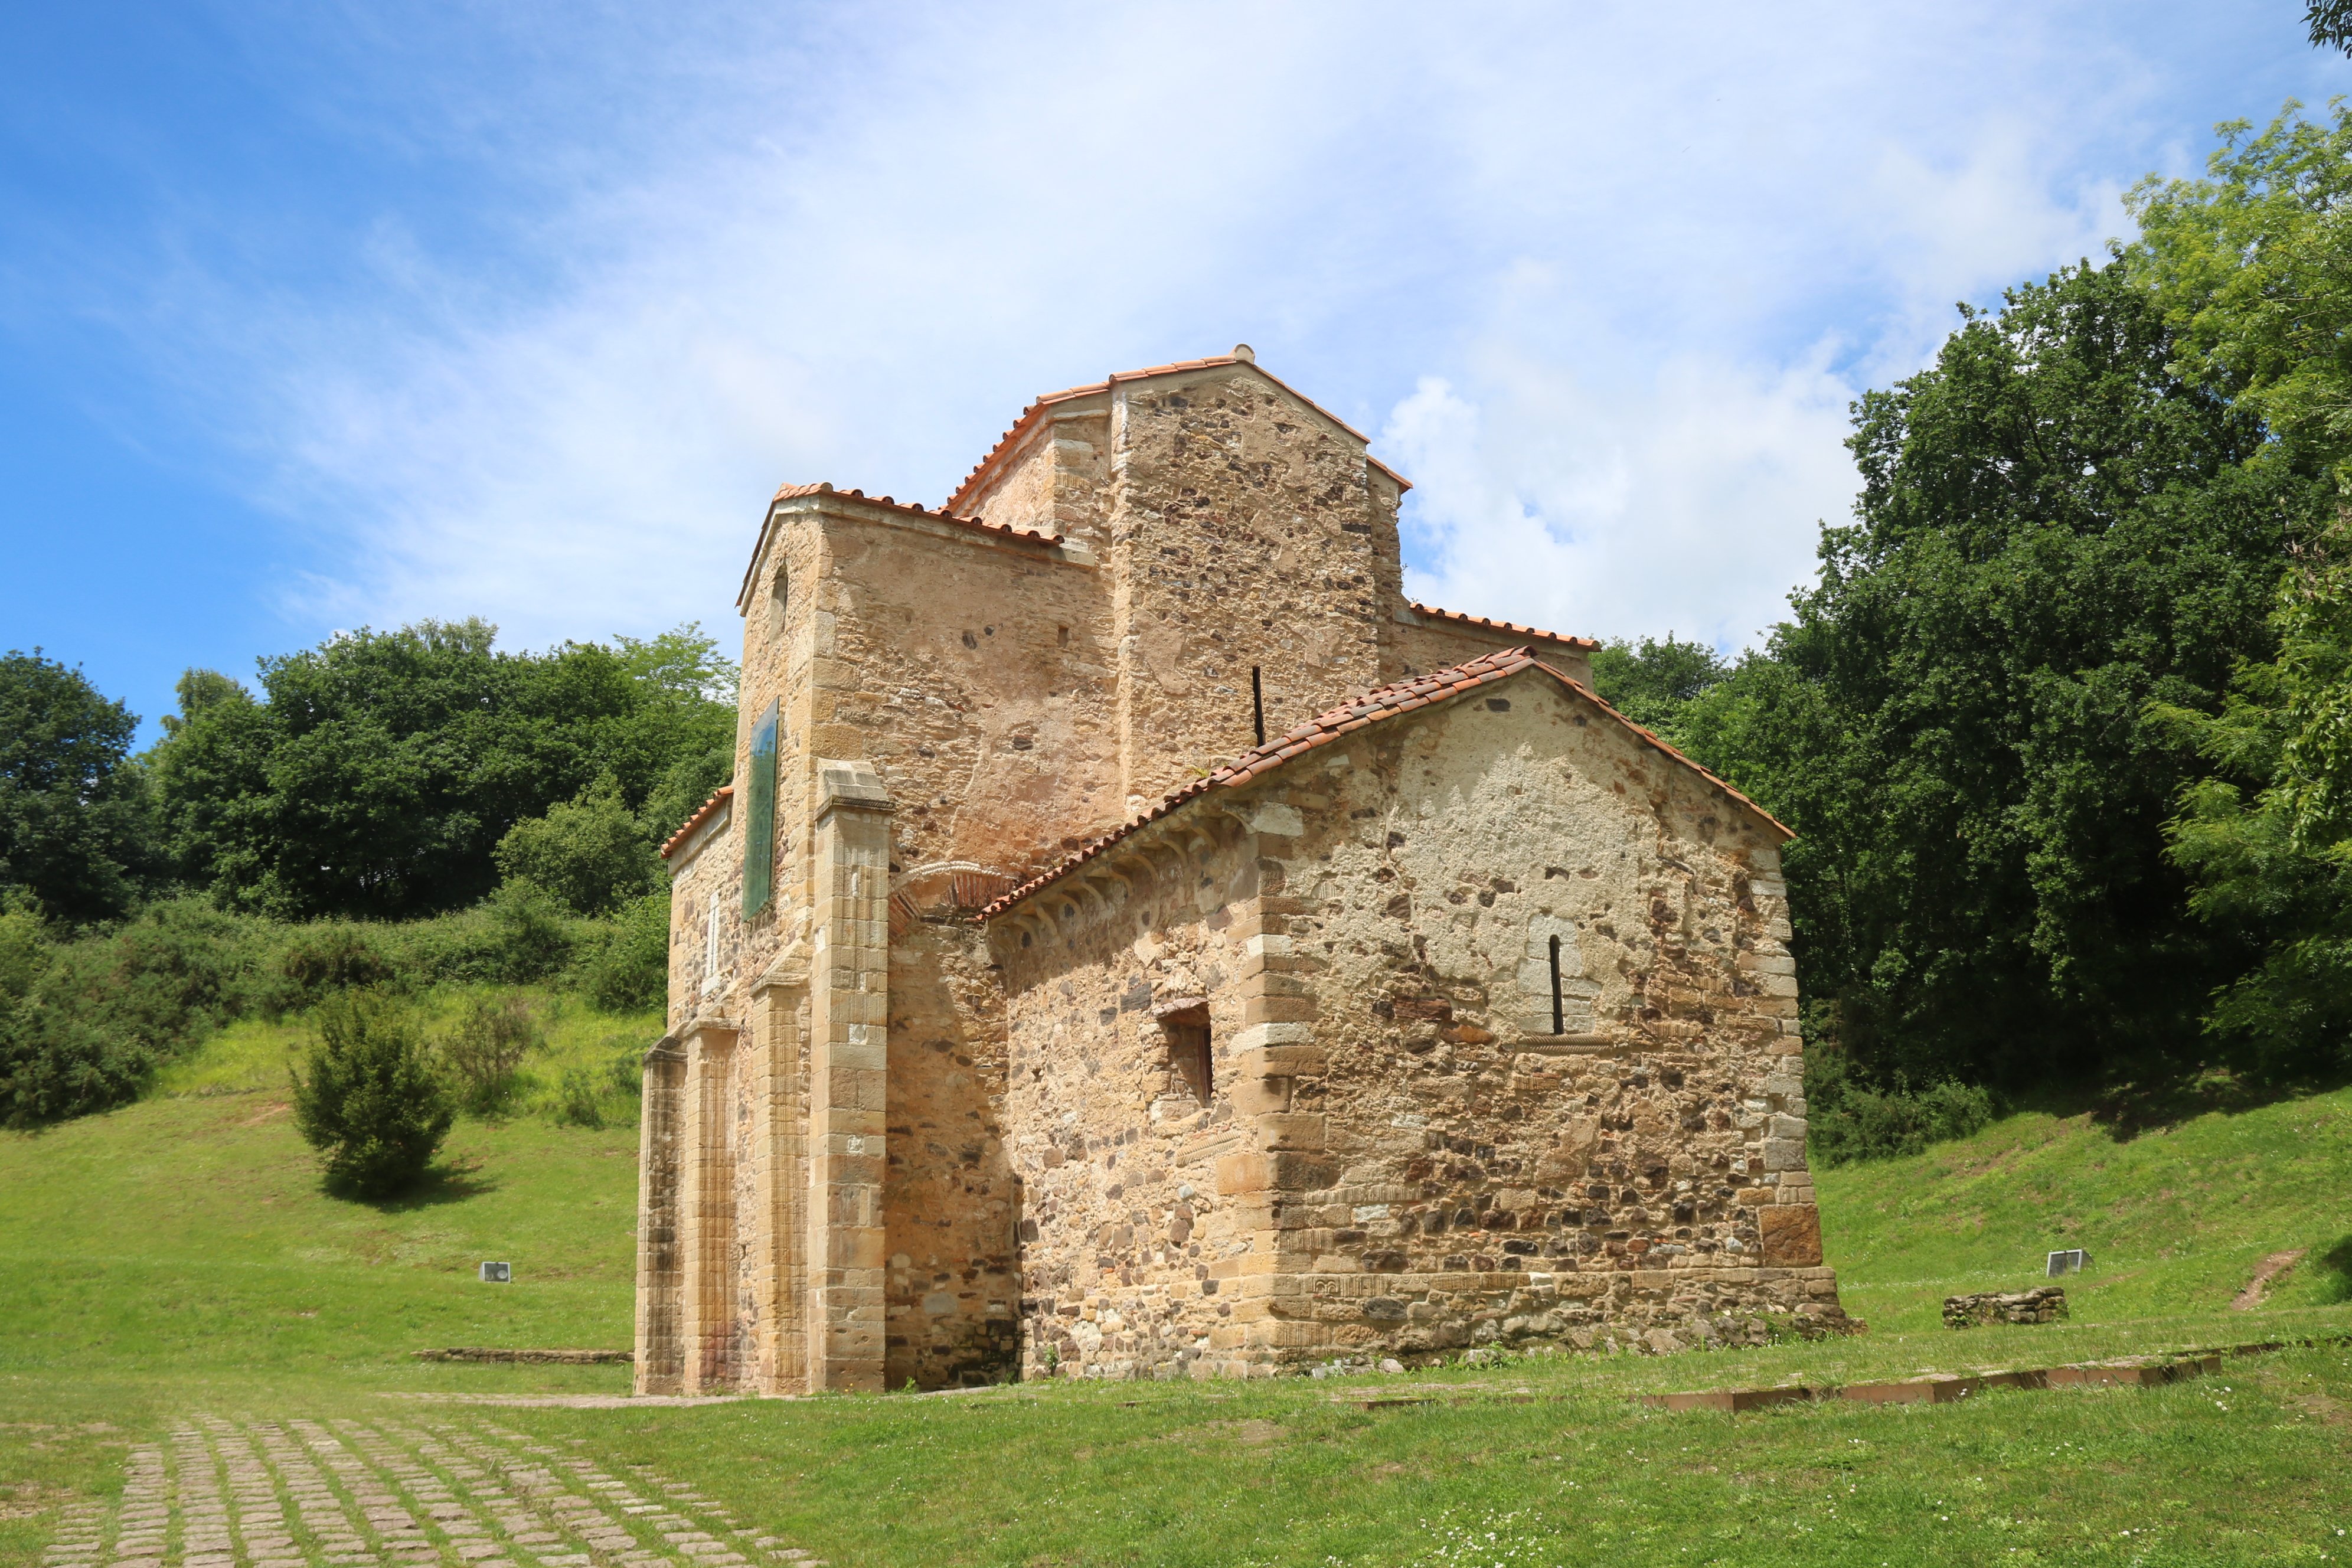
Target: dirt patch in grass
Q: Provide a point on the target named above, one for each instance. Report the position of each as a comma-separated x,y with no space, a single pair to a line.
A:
2268,1269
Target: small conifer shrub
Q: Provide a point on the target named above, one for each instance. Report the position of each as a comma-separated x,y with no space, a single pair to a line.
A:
371,1102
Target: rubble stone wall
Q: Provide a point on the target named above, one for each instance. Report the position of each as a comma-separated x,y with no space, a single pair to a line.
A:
1246,530
1130,1250
1054,479
1423,645
1419,1162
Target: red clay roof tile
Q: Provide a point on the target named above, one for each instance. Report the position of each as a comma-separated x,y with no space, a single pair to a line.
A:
954,519
702,813
1404,696
1510,629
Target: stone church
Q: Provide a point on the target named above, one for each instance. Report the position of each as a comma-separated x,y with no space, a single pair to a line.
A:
1139,941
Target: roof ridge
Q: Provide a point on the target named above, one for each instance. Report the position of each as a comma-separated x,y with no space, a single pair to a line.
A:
973,520
1028,417
1513,627
1383,703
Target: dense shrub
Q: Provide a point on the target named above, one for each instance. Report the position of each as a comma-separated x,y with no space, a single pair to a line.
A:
599,1097
58,1065
487,1049
1851,1119
517,936
332,956
589,854
88,1021
631,969
369,1100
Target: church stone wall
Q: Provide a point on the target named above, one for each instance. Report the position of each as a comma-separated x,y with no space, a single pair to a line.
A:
1132,1254
976,678
1246,532
1411,1160
825,1208
1054,477
1426,644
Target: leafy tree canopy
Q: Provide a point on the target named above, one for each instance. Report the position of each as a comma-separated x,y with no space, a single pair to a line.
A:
2254,268
2059,526
2331,24
590,853
375,774
1650,681
75,828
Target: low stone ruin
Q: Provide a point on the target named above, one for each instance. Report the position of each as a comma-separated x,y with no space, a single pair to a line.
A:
2042,1304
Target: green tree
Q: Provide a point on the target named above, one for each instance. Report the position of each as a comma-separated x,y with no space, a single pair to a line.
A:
198,689
2265,840
590,854
2254,267
690,781
379,772
369,1100
76,830
1652,681
2331,24
2057,528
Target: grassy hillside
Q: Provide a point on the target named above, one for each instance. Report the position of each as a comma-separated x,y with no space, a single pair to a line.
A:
178,1254
188,1235
2176,1220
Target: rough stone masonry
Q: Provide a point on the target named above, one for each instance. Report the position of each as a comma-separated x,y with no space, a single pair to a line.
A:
1139,941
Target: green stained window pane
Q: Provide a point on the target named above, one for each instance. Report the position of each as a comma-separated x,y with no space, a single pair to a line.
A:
759,817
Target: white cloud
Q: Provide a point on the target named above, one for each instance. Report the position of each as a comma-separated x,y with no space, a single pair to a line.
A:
1607,278
1685,504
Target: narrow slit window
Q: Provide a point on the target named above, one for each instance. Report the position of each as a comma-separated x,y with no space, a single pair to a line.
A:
1257,704
1558,1011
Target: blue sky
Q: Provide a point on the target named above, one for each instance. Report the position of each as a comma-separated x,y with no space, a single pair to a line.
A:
326,315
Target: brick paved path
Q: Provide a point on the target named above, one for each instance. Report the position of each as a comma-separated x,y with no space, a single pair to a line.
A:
392,1494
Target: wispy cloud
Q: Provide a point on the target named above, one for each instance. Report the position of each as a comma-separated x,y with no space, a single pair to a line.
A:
1605,280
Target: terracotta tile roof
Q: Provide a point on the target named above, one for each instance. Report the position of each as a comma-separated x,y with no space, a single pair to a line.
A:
1509,628
916,509
1388,703
1031,414
704,813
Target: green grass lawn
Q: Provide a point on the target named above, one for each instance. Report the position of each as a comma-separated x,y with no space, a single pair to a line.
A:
178,1256
2176,1220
